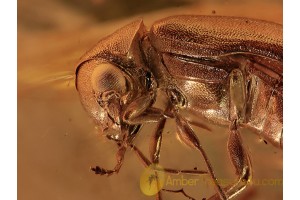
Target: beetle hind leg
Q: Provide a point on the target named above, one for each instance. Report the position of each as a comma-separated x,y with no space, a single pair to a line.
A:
238,154
241,162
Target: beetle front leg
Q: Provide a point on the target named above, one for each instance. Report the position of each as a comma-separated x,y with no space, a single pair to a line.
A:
122,147
140,111
119,157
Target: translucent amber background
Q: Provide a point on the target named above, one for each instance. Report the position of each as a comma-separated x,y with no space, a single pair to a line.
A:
57,142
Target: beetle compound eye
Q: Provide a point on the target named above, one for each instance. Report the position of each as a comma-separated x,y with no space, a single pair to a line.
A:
108,77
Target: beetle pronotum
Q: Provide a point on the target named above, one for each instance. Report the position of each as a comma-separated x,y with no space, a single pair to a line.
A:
228,70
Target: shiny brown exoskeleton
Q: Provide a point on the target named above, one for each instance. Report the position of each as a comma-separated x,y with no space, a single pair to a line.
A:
227,70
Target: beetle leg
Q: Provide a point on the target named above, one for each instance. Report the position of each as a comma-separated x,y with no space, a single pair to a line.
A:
155,142
146,162
188,137
122,144
180,191
237,92
156,139
154,146
119,156
154,150
240,160
140,111
238,155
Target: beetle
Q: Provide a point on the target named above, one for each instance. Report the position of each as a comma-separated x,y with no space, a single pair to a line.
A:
227,70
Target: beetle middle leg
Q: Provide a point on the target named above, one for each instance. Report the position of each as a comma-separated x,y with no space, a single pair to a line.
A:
146,162
154,150
137,112
140,111
187,136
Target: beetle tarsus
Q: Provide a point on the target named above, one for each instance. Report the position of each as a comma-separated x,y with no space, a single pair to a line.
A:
102,171
180,191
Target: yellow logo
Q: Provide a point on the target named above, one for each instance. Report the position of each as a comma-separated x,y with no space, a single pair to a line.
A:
152,180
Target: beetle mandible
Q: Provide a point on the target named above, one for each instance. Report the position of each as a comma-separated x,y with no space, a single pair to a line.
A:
227,70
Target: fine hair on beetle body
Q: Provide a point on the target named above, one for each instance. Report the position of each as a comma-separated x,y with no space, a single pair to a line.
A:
227,70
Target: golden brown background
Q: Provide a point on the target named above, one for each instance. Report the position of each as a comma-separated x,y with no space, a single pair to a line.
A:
57,143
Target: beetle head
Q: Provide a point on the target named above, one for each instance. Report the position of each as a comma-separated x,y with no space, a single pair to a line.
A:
107,76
